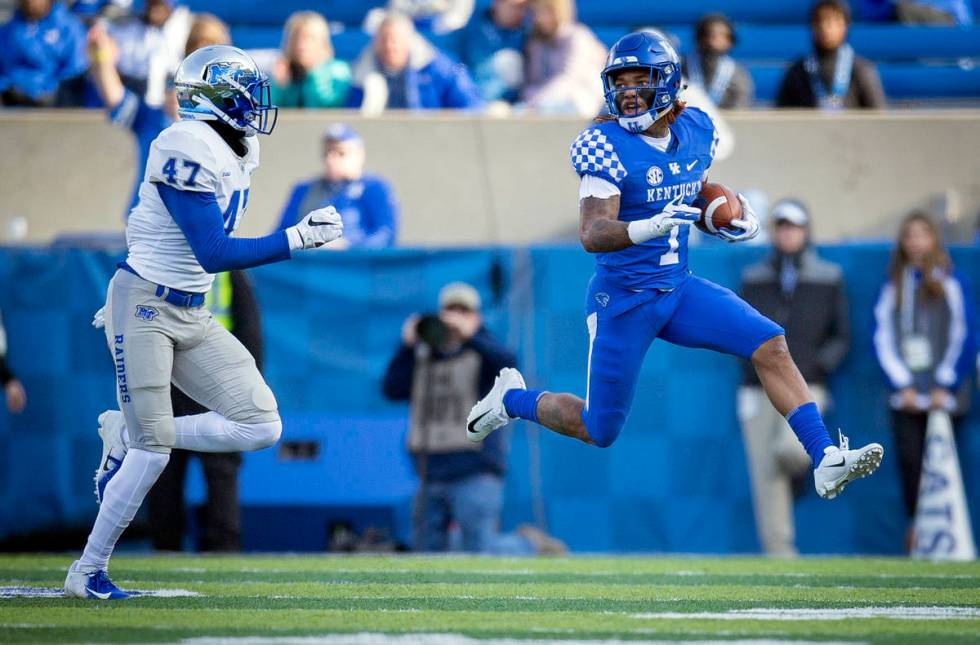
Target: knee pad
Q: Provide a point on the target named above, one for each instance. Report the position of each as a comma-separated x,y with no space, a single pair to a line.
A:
266,408
603,426
261,435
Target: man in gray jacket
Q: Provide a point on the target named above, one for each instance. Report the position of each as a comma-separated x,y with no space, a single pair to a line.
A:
806,296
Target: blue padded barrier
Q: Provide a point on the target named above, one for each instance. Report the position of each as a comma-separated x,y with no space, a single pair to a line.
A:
675,481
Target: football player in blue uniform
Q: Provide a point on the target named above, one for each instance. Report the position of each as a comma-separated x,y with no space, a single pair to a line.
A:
640,171
193,197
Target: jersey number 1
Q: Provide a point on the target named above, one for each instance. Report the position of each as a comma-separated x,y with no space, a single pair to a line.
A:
672,256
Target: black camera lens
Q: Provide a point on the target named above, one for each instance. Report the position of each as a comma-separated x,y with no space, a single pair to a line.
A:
431,330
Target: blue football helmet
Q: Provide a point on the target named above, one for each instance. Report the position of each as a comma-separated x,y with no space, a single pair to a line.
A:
652,52
223,83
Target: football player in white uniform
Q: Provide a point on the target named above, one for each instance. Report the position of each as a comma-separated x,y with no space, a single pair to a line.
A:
192,198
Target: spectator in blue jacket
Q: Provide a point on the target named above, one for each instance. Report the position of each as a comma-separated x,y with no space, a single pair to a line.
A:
366,202
493,47
445,363
924,342
402,70
42,48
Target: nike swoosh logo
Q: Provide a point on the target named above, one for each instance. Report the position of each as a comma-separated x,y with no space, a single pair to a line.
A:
472,423
842,461
692,164
100,596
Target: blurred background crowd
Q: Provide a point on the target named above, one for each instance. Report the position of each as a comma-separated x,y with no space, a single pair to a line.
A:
444,124
495,55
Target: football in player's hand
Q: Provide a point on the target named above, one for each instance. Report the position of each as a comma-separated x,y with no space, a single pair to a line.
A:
719,206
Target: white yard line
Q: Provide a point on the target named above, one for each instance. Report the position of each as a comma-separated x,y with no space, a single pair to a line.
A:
845,613
57,592
456,639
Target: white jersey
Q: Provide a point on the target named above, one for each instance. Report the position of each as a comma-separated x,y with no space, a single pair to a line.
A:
188,155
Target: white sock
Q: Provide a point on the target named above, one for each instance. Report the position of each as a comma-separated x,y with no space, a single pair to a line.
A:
122,498
211,432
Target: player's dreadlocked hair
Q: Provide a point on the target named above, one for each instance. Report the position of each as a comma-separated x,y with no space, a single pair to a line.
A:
935,264
671,116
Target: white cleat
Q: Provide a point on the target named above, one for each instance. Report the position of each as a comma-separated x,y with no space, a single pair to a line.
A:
489,414
840,466
111,424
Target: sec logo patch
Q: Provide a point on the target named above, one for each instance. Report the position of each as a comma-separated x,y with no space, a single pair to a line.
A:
655,175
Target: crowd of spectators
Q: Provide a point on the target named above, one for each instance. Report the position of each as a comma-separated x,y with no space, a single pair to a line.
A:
530,55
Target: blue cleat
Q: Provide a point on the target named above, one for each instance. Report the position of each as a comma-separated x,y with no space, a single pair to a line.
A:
94,585
111,424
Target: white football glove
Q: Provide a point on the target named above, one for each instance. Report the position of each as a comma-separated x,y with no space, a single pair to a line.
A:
749,224
673,215
316,229
98,320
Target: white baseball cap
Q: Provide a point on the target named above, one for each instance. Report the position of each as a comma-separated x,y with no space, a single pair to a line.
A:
791,211
461,294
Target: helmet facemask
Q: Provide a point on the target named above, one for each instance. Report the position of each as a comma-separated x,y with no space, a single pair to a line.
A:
655,94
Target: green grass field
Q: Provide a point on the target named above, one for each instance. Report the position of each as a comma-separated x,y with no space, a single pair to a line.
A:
593,599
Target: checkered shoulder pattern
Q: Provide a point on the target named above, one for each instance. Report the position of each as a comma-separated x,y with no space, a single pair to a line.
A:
592,154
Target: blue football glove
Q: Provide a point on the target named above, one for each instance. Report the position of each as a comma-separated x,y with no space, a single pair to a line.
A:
740,230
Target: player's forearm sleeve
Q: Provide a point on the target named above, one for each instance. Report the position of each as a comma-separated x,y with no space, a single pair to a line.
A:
199,218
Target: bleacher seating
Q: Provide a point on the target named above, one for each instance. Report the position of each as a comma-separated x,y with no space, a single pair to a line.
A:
902,81
915,62
633,14
248,12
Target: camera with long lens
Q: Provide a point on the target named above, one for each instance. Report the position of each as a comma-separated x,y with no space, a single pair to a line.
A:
432,331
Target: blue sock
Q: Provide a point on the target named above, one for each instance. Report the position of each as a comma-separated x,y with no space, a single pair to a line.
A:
522,404
810,430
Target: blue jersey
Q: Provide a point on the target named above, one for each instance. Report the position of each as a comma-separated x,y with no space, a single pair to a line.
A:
648,179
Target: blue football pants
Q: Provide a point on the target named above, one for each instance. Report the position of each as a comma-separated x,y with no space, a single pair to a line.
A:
698,313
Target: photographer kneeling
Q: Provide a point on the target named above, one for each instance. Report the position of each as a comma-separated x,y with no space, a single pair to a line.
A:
445,364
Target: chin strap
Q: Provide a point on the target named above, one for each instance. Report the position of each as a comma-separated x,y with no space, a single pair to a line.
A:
637,124
642,123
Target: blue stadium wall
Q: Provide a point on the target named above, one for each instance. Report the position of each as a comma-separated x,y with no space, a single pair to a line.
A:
675,481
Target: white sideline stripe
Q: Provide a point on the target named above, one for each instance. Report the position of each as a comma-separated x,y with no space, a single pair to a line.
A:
844,613
457,639
592,322
58,592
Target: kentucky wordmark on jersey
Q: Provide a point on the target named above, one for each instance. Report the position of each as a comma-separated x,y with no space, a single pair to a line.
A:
648,179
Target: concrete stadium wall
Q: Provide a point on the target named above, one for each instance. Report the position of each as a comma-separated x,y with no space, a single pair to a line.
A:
465,180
